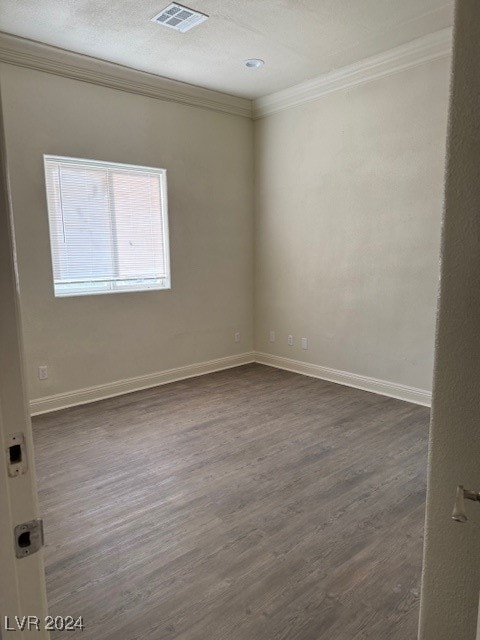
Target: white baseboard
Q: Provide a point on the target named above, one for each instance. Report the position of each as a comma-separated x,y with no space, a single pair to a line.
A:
382,387
119,387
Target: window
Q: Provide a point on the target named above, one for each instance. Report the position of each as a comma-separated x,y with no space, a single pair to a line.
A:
108,226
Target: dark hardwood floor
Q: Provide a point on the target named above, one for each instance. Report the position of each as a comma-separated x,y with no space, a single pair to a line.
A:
249,504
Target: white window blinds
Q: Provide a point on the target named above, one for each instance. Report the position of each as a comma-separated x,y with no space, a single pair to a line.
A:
108,226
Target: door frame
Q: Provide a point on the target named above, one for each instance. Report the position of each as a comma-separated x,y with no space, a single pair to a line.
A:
22,581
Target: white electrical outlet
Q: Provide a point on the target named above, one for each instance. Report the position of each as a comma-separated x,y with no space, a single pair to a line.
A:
42,372
290,340
304,343
272,336
237,336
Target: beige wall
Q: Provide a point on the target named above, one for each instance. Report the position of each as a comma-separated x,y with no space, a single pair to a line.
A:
348,209
94,340
348,204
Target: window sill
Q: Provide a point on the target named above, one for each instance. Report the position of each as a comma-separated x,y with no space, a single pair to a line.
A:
83,294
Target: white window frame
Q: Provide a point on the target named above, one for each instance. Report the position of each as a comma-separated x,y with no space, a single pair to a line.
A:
103,287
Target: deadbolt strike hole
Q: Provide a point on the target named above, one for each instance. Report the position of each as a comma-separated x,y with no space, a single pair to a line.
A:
15,454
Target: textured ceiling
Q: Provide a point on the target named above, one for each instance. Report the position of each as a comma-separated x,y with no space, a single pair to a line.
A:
298,39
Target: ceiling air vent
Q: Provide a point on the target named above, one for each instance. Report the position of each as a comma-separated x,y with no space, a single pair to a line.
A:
179,18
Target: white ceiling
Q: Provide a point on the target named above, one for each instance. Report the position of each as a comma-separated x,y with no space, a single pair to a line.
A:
298,39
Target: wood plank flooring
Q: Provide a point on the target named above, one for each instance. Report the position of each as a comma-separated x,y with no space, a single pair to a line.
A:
249,504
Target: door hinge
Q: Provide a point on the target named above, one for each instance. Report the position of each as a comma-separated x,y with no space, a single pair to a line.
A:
28,538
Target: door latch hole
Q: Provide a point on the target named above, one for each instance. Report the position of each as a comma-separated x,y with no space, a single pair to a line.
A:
24,539
28,538
15,454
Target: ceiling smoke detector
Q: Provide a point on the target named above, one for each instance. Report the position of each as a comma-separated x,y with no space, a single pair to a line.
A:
179,18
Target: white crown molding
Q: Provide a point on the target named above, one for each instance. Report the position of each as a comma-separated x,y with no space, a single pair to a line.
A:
42,57
120,387
35,55
374,385
434,46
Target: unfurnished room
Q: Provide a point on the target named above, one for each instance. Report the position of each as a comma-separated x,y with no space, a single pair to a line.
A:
240,254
